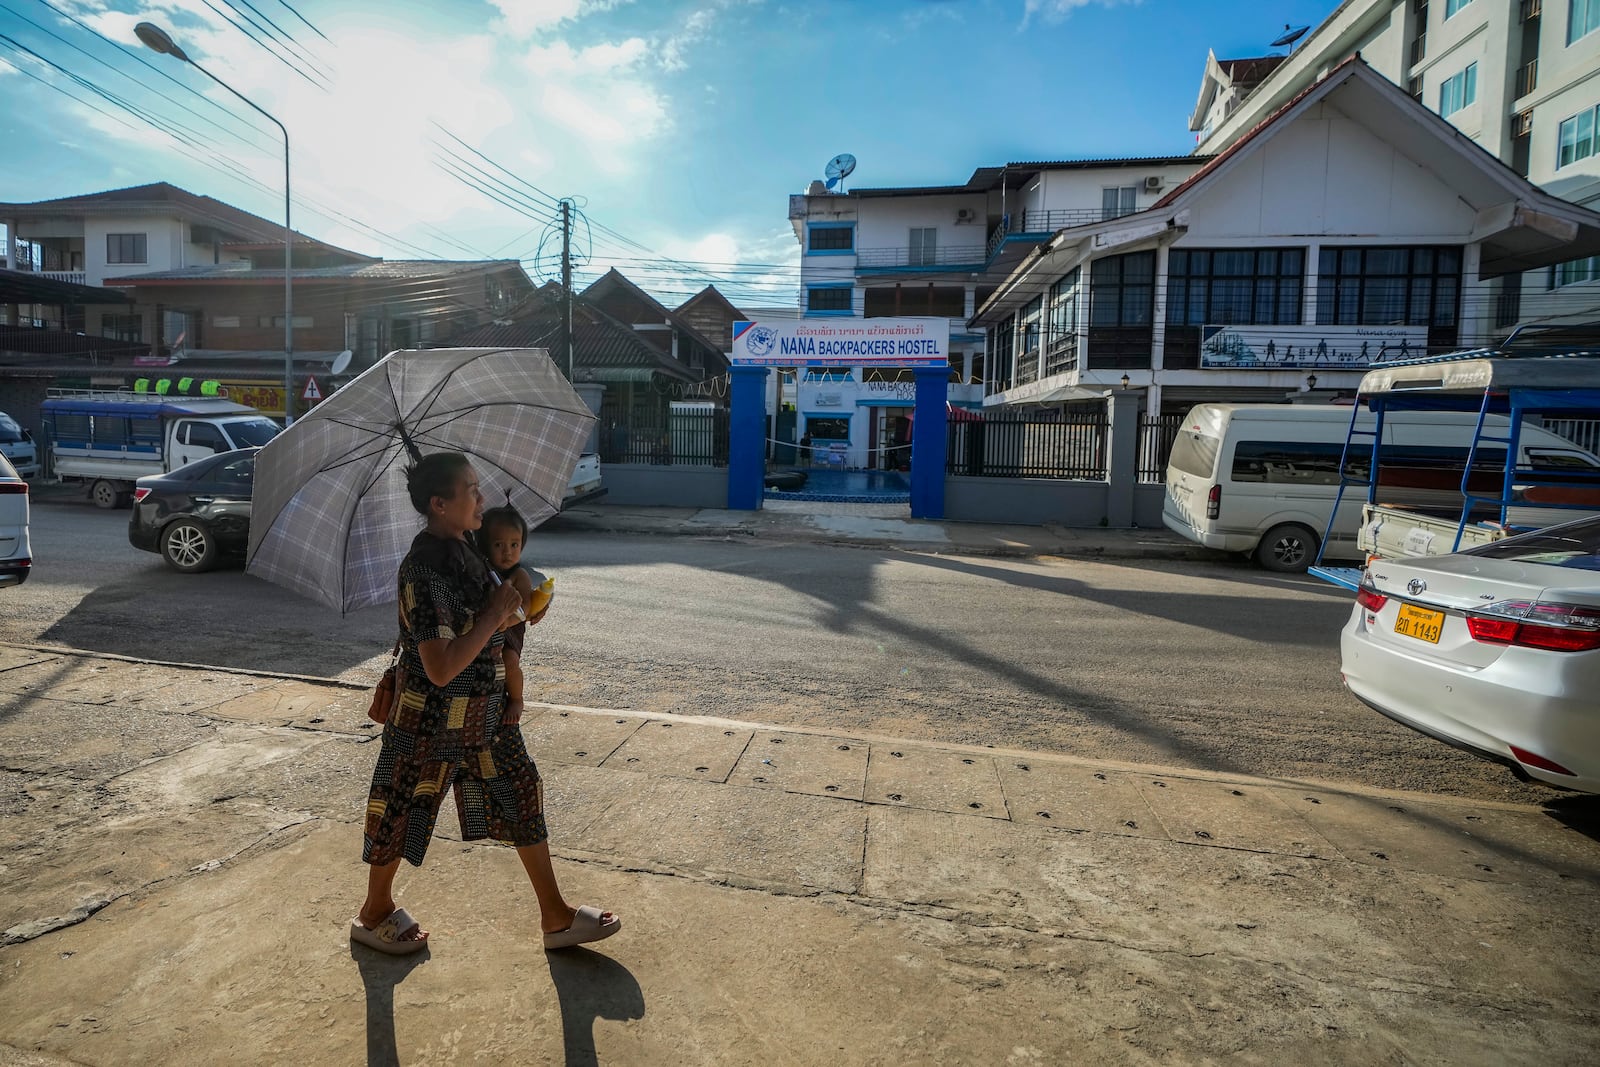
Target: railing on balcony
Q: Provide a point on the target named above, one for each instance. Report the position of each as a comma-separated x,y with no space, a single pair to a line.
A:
1062,355
1040,221
75,277
1531,9
1419,48
948,256
1527,78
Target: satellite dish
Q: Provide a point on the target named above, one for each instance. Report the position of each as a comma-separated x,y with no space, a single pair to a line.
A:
341,362
839,168
1289,36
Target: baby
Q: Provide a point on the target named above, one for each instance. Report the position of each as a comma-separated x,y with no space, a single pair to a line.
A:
501,536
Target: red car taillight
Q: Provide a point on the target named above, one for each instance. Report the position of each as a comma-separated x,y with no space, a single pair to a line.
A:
140,492
1371,599
13,488
1551,627
1214,502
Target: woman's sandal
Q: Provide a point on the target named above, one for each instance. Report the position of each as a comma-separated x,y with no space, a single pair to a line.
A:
586,926
389,935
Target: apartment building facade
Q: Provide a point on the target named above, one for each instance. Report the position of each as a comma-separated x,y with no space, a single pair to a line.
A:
1520,78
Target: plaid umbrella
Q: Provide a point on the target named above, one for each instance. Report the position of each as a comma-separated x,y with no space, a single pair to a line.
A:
331,518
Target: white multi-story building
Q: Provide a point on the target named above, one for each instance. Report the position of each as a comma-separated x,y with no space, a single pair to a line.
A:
1521,78
940,251
1349,227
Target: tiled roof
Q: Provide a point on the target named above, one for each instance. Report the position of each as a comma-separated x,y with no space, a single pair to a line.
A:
598,339
383,270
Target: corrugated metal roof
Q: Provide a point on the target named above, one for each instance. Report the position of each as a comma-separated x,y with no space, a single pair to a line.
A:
384,270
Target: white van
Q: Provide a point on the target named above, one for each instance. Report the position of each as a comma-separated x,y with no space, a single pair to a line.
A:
1261,478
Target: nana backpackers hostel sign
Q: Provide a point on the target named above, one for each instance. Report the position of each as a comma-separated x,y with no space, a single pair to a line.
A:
842,342
1300,347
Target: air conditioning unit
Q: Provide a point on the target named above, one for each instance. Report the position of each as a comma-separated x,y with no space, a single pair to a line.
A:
964,214
1152,184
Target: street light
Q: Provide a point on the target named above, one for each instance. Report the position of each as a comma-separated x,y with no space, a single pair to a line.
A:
158,40
1125,381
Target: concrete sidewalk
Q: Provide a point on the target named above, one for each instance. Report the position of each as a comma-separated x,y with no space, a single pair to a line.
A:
180,863
880,526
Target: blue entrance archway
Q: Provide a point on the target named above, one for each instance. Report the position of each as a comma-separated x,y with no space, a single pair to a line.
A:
918,344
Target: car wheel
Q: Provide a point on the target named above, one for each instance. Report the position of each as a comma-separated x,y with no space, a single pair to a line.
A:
105,494
1287,549
188,547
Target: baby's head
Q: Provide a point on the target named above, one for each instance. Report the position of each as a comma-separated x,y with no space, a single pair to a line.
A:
502,534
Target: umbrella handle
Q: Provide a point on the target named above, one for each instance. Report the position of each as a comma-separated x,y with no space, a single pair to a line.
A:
411,446
522,611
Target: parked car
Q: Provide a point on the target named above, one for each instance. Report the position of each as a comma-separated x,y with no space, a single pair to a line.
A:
16,445
1495,650
16,558
198,514
585,484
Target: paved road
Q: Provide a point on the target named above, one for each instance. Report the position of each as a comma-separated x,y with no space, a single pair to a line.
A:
1209,666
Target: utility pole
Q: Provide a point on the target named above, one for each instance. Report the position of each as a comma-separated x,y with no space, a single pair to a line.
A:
566,278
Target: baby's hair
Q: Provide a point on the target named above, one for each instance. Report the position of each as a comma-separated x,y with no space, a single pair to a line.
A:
505,515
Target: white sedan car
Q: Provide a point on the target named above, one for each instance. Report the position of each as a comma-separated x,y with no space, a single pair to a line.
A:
16,558
1495,650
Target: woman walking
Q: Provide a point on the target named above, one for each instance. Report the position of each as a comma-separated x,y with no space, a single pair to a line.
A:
447,732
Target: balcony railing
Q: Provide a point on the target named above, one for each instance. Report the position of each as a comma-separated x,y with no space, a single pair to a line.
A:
1527,78
947,256
1531,9
1040,221
1419,48
76,277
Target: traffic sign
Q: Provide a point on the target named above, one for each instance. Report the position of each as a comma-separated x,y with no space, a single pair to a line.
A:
312,392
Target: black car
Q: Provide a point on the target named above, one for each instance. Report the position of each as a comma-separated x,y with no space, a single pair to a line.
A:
197,514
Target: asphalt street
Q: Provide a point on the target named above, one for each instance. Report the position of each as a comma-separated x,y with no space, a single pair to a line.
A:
1216,667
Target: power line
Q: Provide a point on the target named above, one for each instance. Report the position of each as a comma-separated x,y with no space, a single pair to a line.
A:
289,42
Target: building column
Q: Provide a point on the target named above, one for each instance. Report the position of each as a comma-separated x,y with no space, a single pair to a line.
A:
929,440
747,452
1122,459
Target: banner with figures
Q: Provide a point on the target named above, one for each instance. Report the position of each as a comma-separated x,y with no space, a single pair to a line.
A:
841,341
1306,347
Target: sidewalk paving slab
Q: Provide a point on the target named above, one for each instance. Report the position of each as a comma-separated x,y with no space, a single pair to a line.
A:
181,890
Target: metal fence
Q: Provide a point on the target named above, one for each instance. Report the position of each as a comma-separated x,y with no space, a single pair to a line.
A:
697,437
1156,434
1030,448
1585,433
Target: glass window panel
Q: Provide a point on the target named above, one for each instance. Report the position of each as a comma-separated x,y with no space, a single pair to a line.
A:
1139,267
1422,261
1292,261
1177,262
1327,313
1421,311
1177,300
1266,310
1199,300
1289,301
1328,261
1231,301
1567,140
1444,302
1106,271
1449,261
1199,262
1388,261
1136,304
1350,261
1349,304
1234,262
1267,261
1383,301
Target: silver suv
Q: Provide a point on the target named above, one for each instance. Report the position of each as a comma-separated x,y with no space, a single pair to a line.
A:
16,558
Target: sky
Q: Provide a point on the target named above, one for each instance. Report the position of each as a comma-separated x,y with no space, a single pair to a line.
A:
678,128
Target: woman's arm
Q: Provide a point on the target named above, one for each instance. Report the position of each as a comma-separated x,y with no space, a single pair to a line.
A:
446,657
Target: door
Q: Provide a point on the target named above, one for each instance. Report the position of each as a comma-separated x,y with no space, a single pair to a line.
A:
195,439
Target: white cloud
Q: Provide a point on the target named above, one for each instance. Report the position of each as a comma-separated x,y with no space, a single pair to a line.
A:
523,19
1056,10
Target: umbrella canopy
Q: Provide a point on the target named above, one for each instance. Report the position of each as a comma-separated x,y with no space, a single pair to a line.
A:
331,518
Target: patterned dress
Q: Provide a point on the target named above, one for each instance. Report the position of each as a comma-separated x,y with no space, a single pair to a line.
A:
449,737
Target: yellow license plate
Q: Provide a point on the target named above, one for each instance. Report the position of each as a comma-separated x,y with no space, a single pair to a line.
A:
1420,623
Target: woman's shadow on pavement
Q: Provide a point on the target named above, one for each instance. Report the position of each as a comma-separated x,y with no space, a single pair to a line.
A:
591,986
379,975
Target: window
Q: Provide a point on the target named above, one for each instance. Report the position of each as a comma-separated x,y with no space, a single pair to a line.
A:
1575,138
1195,453
924,246
1452,6
1001,345
828,429
122,327
1117,201
1574,271
1122,290
301,322
240,471
830,237
834,299
1583,18
1389,287
1459,91
125,248
205,435
1061,341
1235,286
1030,326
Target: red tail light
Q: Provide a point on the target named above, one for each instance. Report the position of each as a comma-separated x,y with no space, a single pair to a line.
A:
1214,502
1552,627
140,492
13,488
1532,759
1371,599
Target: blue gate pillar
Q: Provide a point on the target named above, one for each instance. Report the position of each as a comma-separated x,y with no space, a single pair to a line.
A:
929,440
747,438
